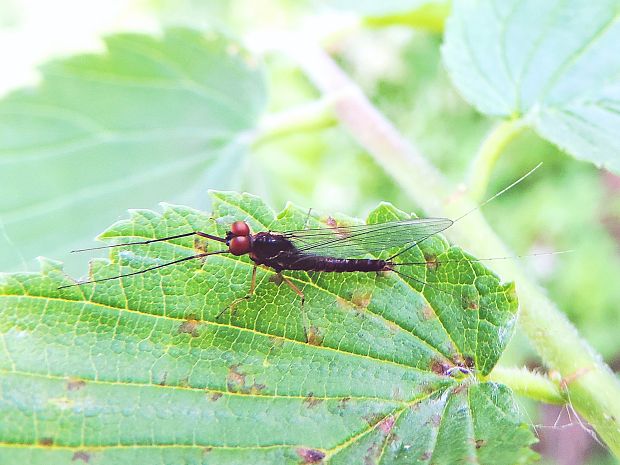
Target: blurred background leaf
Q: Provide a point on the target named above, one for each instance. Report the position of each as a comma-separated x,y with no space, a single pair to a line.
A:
423,14
154,118
548,63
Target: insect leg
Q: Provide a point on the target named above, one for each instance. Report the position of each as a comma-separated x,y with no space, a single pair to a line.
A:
241,299
299,292
307,218
294,287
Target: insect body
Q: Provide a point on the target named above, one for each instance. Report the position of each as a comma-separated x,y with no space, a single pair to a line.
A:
329,249
332,249
335,249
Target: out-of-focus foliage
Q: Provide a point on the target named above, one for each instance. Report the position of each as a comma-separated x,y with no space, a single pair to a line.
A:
154,118
551,64
424,14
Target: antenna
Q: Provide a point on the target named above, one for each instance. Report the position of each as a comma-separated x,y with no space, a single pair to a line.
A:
478,207
509,257
150,241
200,255
505,189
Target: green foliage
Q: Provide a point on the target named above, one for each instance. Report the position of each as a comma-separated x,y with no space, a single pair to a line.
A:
553,64
152,119
425,14
140,368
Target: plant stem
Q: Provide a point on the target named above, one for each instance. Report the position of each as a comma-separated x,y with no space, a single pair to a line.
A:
590,385
489,152
309,117
528,384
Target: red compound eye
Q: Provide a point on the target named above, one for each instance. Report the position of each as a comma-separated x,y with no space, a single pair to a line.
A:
240,228
240,245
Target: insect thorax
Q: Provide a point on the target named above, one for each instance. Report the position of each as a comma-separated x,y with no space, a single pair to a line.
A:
267,246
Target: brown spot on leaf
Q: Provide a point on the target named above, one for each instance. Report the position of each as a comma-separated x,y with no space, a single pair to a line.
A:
311,455
200,245
190,327
480,443
81,455
343,303
162,382
428,313
387,424
46,442
235,381
207,450
373,418
440,367
393,327
257,388
342,403
215,396
315,338
361,298
310,401
277,279
425,456
74,384
472,305
431,262
275,346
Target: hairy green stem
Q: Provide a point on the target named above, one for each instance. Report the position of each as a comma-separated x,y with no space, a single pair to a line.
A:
489,152
312,116
589,384
528,384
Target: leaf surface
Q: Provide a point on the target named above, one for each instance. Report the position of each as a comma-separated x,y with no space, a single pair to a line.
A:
150,118
141,369
554,64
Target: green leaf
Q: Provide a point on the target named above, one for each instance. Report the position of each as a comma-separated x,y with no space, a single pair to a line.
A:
141,370
424,14
151,118
554,64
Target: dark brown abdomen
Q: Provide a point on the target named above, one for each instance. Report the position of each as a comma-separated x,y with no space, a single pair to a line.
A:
331,264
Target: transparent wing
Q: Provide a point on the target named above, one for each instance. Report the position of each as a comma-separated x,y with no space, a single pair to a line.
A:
353,241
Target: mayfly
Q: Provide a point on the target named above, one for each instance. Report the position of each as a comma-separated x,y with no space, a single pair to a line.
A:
330,249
